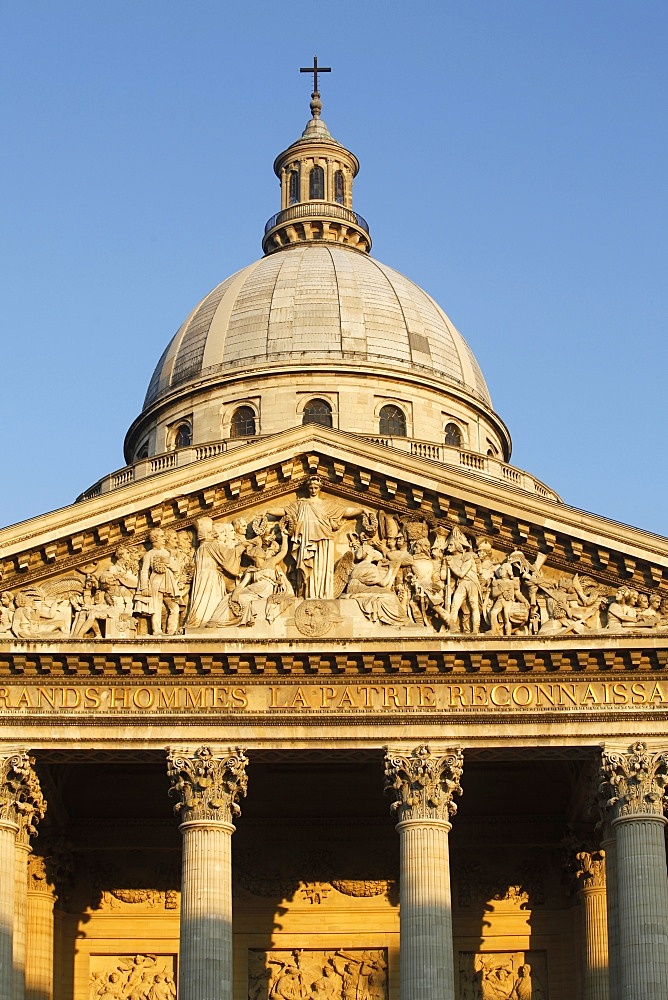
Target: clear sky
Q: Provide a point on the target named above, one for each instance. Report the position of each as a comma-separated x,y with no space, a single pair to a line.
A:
513,164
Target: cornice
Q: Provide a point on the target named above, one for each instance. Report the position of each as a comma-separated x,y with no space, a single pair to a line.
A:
172,660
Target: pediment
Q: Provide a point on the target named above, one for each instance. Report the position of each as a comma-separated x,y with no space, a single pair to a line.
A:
386,544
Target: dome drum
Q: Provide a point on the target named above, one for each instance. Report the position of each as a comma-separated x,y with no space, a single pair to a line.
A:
356,394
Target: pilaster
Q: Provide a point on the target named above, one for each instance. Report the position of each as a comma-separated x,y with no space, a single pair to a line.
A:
207,786
423,785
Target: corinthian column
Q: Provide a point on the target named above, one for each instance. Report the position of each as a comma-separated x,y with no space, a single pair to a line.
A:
590,874
21,808
207,787
633,792
423,784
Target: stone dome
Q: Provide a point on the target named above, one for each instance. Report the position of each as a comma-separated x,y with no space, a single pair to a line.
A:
310,303
317,331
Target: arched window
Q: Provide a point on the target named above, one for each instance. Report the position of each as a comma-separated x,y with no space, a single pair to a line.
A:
316,183
453,435
392,421
293,193
317,411
243,422
142,452
339,187
183,436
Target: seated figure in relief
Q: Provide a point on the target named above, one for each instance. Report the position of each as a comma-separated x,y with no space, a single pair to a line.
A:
264,580
372,579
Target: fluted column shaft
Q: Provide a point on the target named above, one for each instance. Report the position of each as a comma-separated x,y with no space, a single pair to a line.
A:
205,957
427,964
21,852
595,984
609,845
8,833
643,907
207,786
423,784
39,955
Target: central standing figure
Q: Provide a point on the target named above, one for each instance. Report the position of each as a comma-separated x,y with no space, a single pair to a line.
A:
313,523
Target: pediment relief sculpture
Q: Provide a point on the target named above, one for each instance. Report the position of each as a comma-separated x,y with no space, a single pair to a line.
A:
312,566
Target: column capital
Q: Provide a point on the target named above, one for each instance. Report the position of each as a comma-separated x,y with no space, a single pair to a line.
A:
633,783
590,869
207,785
21,799
39,878
423,783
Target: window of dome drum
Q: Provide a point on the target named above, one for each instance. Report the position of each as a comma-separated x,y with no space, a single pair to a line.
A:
294,187
392,421
318,411
243,422
183,436
316,183
453,435
339,188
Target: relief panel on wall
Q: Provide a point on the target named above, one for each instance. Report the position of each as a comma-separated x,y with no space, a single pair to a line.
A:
502,975
132,977
345,974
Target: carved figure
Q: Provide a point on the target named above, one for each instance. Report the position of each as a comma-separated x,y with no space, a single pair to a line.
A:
109,608
7,608
265,580
462,569
328,985
33,618
526,987
510,607
125,569
372,580
621,610
497,983
426,583
158,589
217,569
313,522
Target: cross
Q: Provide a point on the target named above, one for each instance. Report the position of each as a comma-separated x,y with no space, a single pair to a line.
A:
315,69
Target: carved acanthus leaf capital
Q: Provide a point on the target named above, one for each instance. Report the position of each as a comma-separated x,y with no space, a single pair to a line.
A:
21,799
423,784
590,869
633,783
207,786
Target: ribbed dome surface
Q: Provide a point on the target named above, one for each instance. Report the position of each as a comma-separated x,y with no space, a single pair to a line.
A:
314,301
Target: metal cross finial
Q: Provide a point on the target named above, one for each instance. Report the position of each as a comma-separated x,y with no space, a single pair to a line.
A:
315,69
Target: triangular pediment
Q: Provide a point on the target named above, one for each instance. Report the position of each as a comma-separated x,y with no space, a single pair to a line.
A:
393,544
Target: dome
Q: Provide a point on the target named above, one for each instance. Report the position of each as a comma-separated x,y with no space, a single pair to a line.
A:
318,331
313,302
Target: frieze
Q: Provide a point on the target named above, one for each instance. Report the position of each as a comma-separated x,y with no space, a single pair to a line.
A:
323,700
313,565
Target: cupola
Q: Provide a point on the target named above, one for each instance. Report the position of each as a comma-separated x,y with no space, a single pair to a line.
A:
316,174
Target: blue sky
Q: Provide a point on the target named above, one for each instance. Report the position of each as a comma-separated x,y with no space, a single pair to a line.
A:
513,164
